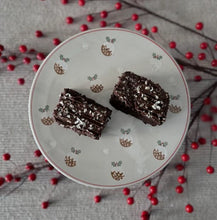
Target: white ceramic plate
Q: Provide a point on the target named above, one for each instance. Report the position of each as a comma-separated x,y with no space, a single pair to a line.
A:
128,151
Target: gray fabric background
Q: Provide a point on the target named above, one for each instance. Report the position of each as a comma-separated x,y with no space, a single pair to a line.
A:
18,21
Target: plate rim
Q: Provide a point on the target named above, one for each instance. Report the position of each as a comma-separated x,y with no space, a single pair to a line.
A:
30,110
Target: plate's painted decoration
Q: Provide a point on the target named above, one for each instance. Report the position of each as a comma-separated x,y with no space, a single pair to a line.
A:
116,164
60,66
75,151
160,151
47,120
174,106
156,56
95,84
116,175
108,47
126,139
70,162
45,109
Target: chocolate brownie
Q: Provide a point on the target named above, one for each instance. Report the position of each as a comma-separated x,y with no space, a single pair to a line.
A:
140,97
81,114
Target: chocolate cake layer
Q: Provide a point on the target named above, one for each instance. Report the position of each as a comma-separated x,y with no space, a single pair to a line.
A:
140,97
81,114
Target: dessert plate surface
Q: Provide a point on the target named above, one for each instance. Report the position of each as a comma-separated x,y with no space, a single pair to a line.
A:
128,151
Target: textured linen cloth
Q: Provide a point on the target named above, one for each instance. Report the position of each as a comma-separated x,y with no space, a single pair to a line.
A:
19,19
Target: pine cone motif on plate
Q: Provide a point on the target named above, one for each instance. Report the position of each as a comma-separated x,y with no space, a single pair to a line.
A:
158,154
47,121
70,161
175,108
106,51
125,142
96,88
116,175
58,69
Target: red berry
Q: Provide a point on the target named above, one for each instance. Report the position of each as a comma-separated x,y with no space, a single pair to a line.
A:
38,33
12,57
45,160
203,45
207,101
150,196
29,166
37,153
103,24
179,167
215,47
1,47
17,179
10,67
201,56
130,200
154,29
214,127
97,199
69,20
35,67
50,167
138,26
214,142
8,177
145,214
197,78
179,189
213,109
44,204
56,41
118,25
153,189
189,208
199,26
189,55
134,17
2,180
26,60
194,145
145,31
53,181
214,63
181,179
6,156
103,14
84,27
172,44
81,2
21,81
210,169
147,182
40,56
32,177
185,157
154,201
126,191
0,54
23,48
202,140
206,118
118,6
181,67
4,59
32,50
89,18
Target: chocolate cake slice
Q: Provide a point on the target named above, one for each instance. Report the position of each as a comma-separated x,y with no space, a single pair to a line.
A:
81,114
140,97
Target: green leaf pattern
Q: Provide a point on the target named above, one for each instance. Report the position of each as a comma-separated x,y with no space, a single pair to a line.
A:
45,109
156,56
75,151
125,131
64,59
116,164
164,144
92,78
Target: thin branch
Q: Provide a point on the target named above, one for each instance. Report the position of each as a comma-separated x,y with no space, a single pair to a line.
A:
167,19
